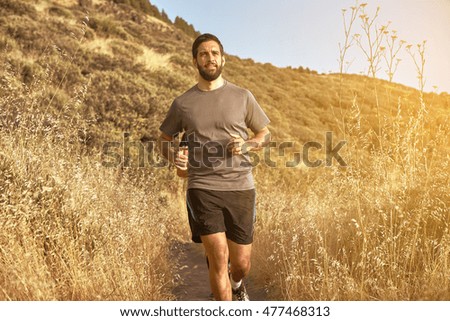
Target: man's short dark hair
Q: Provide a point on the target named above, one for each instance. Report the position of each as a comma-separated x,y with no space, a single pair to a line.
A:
203,38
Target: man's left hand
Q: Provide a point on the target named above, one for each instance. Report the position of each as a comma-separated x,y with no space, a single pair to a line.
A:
236,144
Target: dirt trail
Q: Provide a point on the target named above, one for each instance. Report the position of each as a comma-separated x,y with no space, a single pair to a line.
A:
193,284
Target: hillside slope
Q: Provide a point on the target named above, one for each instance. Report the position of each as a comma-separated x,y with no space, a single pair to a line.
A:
136,64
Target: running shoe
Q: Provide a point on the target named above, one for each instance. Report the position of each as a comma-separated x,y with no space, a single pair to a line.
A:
240,294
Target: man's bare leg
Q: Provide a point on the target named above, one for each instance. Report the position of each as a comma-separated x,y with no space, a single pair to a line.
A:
216,248
240,259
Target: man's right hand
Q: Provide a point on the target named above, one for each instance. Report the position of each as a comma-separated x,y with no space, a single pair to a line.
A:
181,159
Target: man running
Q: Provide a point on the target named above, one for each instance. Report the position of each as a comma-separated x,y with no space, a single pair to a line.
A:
215,115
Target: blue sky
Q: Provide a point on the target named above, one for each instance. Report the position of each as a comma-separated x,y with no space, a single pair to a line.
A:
307,32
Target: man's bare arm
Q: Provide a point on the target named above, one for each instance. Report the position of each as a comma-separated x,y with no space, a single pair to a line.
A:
165,147
260,140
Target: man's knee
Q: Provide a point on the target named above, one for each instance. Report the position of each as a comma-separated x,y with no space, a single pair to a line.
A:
242,265
217,251
219,256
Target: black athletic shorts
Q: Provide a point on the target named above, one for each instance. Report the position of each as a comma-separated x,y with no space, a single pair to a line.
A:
232,212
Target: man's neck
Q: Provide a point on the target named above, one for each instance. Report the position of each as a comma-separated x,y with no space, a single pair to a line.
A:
205,85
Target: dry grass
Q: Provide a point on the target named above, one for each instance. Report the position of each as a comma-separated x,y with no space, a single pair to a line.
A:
70,228
377,229
102,46
41,6
153,60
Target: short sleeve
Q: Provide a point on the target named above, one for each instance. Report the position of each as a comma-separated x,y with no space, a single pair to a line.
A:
255,119
172,123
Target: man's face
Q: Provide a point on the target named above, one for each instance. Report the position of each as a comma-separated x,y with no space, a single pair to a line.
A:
209,60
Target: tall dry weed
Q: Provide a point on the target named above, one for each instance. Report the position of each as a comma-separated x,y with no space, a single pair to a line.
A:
377,229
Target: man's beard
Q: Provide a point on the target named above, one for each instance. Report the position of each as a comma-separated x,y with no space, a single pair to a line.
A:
209,75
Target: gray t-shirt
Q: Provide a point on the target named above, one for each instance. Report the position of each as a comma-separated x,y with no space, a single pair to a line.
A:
209,118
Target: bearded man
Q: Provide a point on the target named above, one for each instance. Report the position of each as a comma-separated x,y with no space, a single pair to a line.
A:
214,116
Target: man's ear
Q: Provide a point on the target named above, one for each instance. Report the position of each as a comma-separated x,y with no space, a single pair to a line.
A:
223,61
194,62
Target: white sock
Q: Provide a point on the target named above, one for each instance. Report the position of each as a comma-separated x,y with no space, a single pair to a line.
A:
235,285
